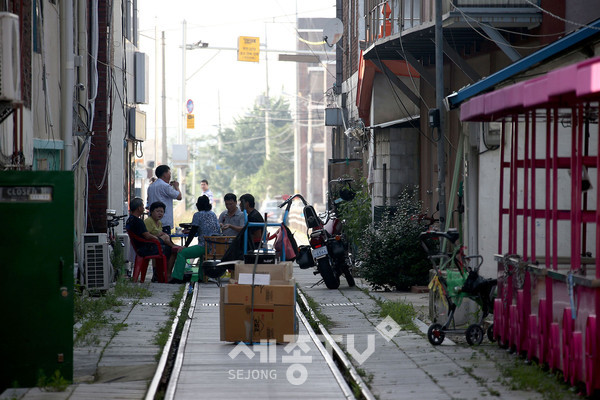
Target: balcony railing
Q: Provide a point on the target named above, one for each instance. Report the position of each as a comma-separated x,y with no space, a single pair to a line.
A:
387,18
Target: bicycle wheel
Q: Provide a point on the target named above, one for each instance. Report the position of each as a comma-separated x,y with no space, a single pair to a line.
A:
435,334
490,333
474,335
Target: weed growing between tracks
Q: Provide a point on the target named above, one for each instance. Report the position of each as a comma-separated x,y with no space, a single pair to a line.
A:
322,318
162,336
176,341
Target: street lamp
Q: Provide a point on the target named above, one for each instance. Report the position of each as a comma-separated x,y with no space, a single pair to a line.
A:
198,45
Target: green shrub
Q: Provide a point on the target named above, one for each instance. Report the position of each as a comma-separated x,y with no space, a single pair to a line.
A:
356,214
391,255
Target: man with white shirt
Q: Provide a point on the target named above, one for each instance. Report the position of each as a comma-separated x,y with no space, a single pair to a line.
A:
206,191
165,191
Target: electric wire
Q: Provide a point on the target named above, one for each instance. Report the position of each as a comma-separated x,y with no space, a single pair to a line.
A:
298,36
466,15
399,101
490,39
562,19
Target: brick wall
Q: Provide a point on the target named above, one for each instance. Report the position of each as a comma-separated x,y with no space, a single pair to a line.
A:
350,39
97,182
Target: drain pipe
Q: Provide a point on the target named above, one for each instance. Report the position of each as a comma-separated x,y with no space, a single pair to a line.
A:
473,187
67,79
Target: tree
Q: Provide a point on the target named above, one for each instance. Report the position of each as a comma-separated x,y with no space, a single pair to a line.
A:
237,163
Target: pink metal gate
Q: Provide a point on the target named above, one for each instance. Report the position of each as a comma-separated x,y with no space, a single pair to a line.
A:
549,217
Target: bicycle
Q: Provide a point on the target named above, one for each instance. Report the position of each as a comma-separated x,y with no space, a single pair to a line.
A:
117,246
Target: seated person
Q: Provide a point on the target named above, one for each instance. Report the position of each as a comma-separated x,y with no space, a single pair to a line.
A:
154,226
255,232
204,223
232,219
135,225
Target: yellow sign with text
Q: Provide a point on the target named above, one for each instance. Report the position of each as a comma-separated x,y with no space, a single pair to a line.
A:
248,48
190,121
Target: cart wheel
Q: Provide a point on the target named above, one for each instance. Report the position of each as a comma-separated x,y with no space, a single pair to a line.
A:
474,335
490,333
435,334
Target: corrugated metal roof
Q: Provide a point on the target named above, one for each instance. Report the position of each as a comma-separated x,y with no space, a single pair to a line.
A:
523,64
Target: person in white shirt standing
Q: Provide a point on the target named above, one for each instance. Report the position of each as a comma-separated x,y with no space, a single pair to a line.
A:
164,190
206,191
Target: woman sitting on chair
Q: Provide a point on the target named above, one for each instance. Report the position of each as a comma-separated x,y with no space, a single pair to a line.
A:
204,223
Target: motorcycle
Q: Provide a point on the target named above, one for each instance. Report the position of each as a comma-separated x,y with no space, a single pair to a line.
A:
328,249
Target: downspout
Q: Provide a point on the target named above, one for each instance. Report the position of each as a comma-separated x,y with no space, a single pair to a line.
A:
67,80
473,187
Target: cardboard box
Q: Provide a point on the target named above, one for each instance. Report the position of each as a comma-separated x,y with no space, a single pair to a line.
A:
272,282
273,315
268,321
276,295
279,272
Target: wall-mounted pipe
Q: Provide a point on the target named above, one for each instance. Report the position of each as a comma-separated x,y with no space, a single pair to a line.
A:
67,79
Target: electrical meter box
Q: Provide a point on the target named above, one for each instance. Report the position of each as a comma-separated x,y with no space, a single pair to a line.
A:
36,288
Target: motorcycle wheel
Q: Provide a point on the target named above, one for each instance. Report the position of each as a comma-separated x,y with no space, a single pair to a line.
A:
348,275
325,269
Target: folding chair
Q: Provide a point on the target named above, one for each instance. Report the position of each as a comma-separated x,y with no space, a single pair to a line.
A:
214,249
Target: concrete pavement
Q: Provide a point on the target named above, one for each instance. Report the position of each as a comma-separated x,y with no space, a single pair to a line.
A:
116,365
397,365
407,365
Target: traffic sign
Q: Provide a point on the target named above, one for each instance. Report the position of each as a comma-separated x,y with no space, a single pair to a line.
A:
190,106
248,48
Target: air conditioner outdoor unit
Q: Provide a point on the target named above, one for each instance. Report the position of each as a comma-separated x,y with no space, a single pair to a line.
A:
98,269
10,70
492,134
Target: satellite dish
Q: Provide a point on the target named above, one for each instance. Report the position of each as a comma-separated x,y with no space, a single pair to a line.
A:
333,31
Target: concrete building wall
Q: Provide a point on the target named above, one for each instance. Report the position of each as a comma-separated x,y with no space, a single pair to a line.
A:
396,163
389,103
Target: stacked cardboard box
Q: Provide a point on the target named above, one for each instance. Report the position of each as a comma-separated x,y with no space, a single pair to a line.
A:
250,313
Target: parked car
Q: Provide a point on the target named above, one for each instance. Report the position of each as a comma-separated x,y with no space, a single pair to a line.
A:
270,207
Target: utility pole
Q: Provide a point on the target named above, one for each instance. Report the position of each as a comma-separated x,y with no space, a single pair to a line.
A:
267,102
183,84
309,153
164,105
157,85
439,99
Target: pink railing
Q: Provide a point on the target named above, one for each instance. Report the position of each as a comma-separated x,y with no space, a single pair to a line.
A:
549,218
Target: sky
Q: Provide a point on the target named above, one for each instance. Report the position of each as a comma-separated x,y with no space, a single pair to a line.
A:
220,87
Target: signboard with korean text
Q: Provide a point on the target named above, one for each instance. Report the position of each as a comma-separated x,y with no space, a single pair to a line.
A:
190,121
248,48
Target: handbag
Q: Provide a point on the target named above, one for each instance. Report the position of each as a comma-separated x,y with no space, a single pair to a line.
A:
283,237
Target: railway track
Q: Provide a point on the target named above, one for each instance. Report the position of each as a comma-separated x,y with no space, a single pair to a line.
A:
167,376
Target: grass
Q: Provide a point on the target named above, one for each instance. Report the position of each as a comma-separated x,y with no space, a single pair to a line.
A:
401,311
125,288
550,385
54,383
323,319
162,336
90,308
90,315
